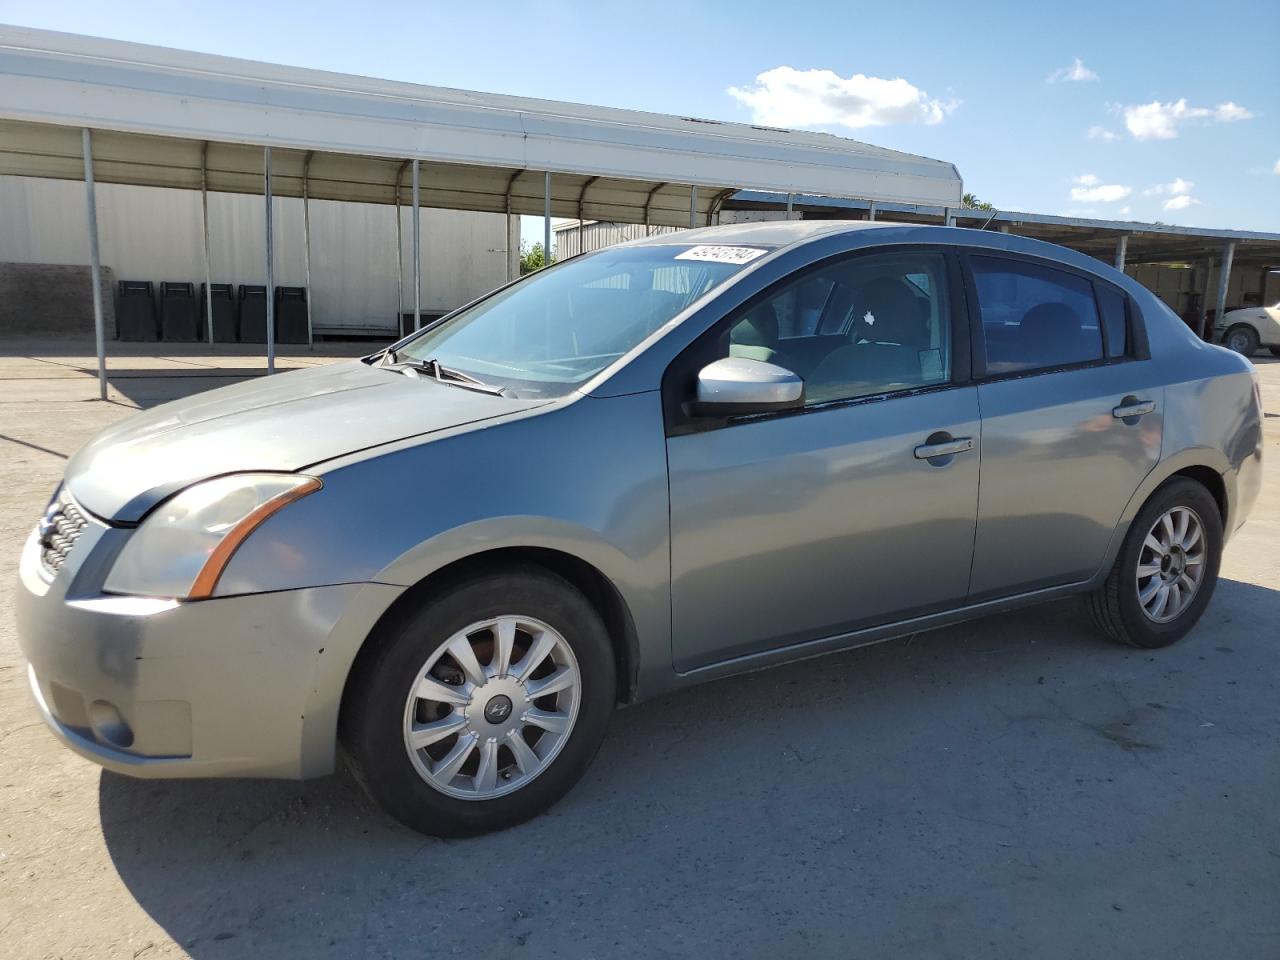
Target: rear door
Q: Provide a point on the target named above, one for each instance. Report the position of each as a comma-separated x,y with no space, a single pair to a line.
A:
1071,420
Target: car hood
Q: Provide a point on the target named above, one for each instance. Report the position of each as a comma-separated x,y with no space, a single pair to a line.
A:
285,422
1252,313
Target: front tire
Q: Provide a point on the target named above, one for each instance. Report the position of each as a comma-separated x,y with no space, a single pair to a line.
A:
1166,571
1242,339
484,706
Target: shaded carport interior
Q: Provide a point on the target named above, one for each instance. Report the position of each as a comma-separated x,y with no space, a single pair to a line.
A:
1122,243
75,107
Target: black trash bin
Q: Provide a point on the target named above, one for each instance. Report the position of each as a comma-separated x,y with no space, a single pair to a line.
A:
291,314
178,313
253,313
225,327
136,311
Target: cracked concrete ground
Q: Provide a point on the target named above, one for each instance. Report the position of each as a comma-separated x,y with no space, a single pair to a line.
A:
1014,787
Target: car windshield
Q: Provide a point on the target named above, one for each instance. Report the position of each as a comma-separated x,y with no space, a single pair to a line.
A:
555,330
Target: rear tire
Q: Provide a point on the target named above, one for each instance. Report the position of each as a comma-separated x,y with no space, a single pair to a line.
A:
1241,338
410,689
1127,607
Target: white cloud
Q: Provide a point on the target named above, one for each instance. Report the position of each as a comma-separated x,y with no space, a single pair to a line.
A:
1102,133
1124,211
1178,192
786,97
1159,121
1227,112
1178,187
1276,168
1076,73
1088,189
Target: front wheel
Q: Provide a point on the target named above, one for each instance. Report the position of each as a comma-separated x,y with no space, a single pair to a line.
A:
483,707
1166,570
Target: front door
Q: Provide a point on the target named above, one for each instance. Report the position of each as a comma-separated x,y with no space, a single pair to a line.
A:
849,514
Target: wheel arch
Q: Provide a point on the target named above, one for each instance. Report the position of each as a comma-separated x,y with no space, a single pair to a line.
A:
1207,466
599,590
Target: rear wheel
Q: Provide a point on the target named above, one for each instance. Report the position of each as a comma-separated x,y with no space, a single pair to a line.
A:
483,707
1166,571
1242,339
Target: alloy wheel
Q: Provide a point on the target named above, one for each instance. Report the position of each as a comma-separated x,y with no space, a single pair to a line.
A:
492,707
1171,564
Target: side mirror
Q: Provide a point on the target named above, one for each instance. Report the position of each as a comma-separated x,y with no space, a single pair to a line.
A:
737,385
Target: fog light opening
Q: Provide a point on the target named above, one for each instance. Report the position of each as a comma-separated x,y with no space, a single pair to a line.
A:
109,726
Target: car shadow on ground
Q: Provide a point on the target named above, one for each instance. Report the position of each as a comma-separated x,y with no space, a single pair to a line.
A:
1014,786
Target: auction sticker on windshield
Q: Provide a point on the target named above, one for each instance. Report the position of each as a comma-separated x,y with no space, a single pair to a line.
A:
736,255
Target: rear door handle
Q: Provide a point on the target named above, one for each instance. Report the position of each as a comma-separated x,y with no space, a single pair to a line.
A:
946,448
1133,408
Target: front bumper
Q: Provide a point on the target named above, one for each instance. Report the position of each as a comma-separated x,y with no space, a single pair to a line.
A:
214,688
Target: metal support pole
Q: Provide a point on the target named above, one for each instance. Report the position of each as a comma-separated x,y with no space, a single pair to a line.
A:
95,264
871,210
208,266
417,252
271,264
306,244
693,206
790,197
948,218
513,259
1224,280
546,218
399,257
1003,228
1122,247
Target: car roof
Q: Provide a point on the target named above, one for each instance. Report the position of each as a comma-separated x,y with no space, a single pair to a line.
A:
770,233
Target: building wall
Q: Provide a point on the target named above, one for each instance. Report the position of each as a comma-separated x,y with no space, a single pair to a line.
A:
1180,286
598,234
149,233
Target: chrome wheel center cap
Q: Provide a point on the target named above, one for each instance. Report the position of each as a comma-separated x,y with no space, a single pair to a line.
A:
498,709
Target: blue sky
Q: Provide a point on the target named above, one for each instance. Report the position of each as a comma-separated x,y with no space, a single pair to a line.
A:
1183,99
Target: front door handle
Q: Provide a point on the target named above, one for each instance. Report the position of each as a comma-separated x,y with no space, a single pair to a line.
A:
1133,407
944,448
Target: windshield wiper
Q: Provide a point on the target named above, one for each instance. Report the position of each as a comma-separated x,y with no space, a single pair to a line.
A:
442,374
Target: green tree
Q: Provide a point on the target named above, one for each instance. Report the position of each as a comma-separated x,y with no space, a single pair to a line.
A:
973,203
533,258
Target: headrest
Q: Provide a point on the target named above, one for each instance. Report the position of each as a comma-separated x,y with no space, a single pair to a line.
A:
885,311
1051,320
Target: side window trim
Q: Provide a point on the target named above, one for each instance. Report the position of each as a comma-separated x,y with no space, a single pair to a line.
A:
978,342
962,353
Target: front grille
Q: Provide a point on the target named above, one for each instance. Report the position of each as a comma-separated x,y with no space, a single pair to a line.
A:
59,530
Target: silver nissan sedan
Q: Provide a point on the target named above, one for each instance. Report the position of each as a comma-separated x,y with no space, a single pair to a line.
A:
658,464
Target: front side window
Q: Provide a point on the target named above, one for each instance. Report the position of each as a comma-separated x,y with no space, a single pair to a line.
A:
1035,317
547,334
861,326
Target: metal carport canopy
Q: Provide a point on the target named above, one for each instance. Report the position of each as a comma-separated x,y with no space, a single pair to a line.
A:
152,109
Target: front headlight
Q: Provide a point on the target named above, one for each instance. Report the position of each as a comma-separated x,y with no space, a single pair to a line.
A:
182,547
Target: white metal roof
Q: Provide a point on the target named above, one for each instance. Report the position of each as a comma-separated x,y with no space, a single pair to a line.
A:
153,109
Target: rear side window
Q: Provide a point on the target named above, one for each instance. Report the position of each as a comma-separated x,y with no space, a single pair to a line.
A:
1114,320
1035,317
